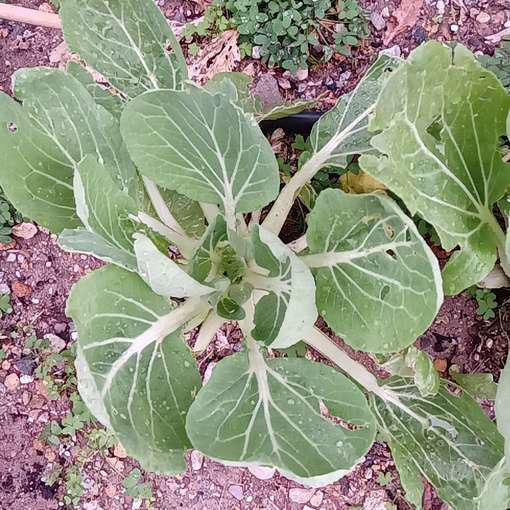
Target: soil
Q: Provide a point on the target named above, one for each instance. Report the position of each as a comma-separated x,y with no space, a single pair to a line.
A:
39,276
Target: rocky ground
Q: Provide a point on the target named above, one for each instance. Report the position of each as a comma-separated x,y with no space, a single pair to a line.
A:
37,388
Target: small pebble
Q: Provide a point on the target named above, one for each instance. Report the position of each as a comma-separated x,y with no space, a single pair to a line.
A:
301,496
483,17
119,451
316,499
454,28
26,379
197,459
262,472
12,382
236,491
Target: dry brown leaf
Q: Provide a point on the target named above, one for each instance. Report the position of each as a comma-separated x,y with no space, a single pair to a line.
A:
220,55
360,183
406,16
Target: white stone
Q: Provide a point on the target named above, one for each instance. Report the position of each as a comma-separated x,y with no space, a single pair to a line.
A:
197,459
26,379
262,472
301,496
236,491
57,344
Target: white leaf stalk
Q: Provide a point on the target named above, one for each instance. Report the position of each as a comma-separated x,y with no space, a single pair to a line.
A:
323,344
277,215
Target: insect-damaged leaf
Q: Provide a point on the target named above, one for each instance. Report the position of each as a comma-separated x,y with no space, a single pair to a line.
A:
128,41
344,129
102,96
105,212
132,345
440,144
448,438
378,283
202,146
281,412
45,139
287,311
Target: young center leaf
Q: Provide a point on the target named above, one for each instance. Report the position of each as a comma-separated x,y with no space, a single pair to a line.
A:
202,146
132,345
378,283
286,311
106,212
44,140
128,41
304,418
440,143
448,438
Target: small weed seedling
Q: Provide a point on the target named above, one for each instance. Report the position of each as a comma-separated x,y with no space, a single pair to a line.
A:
176,188
486,300
135,488
5,304
286,33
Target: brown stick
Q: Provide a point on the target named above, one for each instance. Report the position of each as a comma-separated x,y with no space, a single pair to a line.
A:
31,16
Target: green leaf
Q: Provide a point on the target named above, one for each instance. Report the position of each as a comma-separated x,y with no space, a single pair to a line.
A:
164,276
447,438
132,345
344,129
426,377
202,146
284,110
410,475
287,311
128,41
440,144
378,283
465,266
102,96
281,412
502,408
88,389
236,87
204,263
105,211
62,108
496,493
480,386
186,212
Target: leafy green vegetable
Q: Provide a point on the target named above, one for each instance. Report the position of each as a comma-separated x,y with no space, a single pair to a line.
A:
444,440
373,270
157,176
440,154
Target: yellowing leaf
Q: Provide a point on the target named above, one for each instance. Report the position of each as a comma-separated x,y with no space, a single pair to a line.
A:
360,183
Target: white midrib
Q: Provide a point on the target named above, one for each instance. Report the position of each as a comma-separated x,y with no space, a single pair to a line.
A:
332,258
258,367
136,49
283,204
155,333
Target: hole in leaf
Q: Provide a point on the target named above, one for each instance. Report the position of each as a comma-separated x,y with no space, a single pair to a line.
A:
327,415
11,126
392,254
435,130
384,292
389,231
